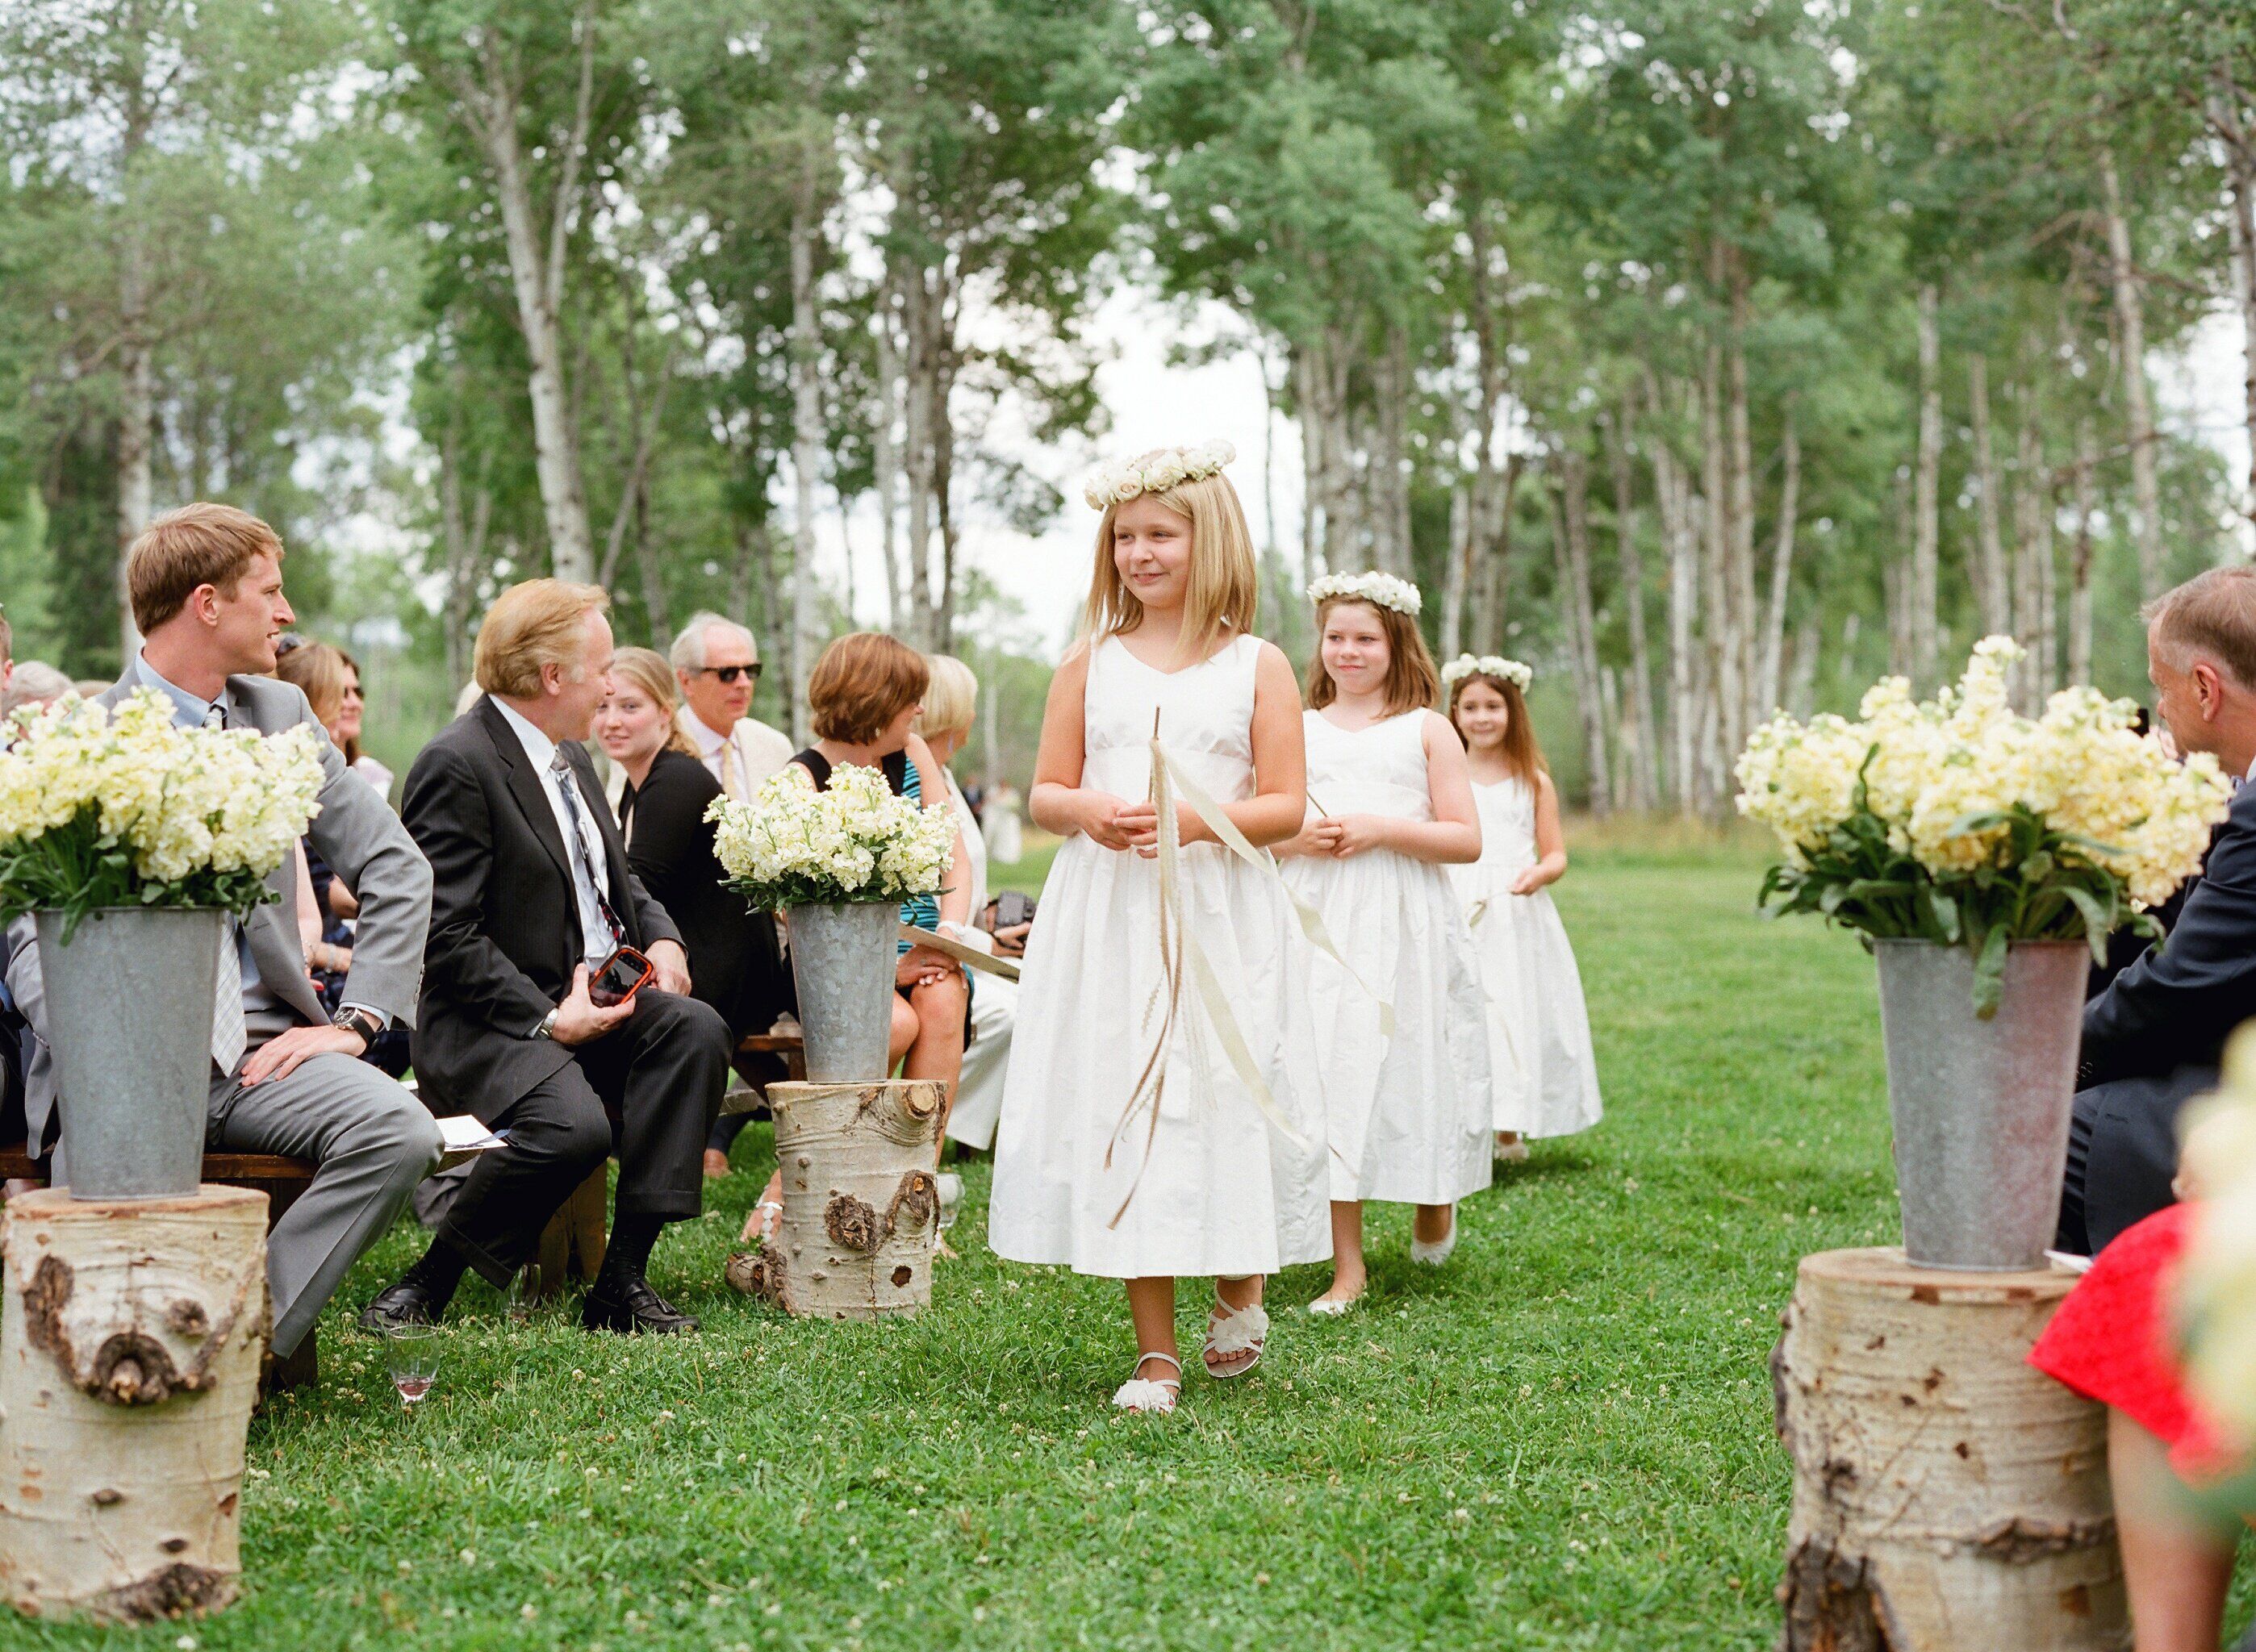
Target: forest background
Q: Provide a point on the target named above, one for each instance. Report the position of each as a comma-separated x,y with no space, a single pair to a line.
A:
1712,356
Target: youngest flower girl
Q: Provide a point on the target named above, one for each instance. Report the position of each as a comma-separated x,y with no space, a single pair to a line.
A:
1546,1081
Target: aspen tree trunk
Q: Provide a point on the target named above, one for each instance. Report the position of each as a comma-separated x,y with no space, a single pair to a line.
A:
1782,566
2225,105
1646,777
1390,458
1314,547
1684,616
2137,400
1801,674
465,549
1742,470
806,437
1991,587
129,1345
1946,1495
1571,537
1926,526
884,455
2032,551
943,472
137,369
1459,579
488,106
861,1210
2079,585
1724,653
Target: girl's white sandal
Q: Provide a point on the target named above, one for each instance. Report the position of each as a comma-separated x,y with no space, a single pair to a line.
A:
1437,1253
1234,1331
1155,1395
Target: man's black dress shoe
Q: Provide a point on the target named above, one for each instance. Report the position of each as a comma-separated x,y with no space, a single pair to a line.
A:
405,1304
631,1306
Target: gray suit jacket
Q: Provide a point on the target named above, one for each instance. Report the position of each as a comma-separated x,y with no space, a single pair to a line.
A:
356,832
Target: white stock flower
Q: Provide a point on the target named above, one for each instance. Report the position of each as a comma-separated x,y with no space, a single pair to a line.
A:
857,842
1156,472
1385,589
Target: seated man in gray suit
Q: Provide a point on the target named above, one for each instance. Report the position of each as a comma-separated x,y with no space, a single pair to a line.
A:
206,584
2154,1038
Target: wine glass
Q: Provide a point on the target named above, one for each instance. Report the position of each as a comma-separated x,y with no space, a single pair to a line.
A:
411,1353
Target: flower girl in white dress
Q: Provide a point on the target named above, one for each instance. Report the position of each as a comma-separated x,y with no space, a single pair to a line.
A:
1546,1081
1390,809
1152,1126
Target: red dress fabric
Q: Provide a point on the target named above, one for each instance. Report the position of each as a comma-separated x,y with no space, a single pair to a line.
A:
2111,1340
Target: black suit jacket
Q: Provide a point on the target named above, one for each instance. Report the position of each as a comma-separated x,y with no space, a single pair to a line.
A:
505,918
2176,1005
734,962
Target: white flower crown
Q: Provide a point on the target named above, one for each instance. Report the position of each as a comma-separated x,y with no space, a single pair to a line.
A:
1510,671
1383,589
1118,483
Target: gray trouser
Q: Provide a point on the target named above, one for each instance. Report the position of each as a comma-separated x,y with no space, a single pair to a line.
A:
371,1143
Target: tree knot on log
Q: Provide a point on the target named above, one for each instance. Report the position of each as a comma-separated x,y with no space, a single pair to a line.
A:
176,1589
1832,1604
2019,1539
917,1199
761,1273
130,1368
851,1224
133,1369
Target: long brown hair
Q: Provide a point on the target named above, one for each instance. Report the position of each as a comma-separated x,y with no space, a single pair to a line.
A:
1225,582
647,672
1411,681
1521,755
321,672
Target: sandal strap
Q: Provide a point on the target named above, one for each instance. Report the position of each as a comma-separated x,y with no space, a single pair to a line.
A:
1150,1394
1237,1330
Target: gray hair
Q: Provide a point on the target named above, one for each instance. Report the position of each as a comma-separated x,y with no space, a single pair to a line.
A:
688,653
2214,613
34,682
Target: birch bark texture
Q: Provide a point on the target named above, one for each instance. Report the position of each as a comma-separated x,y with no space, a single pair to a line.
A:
861,1209
1946,1495
2138,399
131,1334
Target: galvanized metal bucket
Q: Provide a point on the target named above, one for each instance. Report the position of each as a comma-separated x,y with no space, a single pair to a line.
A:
1980,1107
128,1011
842,957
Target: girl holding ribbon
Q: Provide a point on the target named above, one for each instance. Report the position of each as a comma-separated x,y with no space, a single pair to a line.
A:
1157,1122
1390,811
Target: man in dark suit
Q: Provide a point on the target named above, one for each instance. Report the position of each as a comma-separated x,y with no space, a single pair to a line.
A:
531,894
2154,1038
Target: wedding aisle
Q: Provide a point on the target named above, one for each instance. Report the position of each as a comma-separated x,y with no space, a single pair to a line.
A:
1562,1440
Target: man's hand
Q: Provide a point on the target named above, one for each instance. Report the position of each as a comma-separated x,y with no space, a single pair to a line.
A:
669,967
580,1020
279,1057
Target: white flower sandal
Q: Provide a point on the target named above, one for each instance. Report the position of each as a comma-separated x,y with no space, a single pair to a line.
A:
1334,1307
1434,1255
1231,1331
1153,1395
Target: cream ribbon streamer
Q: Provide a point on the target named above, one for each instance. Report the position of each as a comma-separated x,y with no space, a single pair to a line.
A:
1179,947
1473,916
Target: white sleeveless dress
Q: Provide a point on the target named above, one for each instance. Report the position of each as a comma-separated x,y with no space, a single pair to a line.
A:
1534,990
1216,1189
1407,1116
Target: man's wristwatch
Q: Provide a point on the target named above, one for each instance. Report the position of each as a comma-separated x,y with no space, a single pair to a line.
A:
360,1021
548,1026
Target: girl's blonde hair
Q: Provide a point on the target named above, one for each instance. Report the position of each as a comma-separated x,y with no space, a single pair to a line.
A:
1522,756
1224,579
1413,681
646,671
951,698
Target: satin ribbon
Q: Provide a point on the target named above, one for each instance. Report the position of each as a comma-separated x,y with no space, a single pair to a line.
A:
1180,954
1473,916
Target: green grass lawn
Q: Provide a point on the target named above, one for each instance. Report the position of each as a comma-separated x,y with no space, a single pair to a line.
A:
1563,1439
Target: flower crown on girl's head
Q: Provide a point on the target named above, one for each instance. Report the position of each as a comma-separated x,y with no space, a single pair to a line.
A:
1156,472
1381,588
1510,671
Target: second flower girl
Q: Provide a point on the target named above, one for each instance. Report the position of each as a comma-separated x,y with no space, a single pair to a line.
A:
1389,808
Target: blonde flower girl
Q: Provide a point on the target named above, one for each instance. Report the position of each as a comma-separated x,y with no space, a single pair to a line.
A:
1546,1081
1140,1137
1390,809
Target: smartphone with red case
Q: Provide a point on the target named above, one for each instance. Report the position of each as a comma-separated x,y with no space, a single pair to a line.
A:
624,972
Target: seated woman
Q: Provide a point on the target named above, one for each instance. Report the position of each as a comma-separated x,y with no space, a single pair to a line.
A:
865,692
735,964
951,703
2112,1340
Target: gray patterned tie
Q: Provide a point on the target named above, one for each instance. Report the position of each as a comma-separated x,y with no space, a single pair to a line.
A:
227,1036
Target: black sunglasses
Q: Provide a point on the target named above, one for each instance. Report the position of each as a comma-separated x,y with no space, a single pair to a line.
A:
732,673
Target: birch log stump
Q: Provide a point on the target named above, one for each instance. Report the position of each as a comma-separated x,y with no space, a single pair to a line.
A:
129,1341
1947,1497
861,1210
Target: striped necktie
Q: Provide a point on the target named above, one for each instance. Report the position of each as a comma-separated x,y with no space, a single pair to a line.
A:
227,1036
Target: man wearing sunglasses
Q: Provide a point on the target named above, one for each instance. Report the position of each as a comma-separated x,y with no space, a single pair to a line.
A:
716,661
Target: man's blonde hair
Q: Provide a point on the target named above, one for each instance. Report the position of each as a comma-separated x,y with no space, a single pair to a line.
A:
2213,614
951,698
540,622
1225,582
198,544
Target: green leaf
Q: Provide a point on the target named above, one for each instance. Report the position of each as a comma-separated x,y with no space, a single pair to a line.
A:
1990,973
1946,913
2097,922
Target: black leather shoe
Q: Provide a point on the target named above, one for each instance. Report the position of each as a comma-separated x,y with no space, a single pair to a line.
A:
631,1307
405,1304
